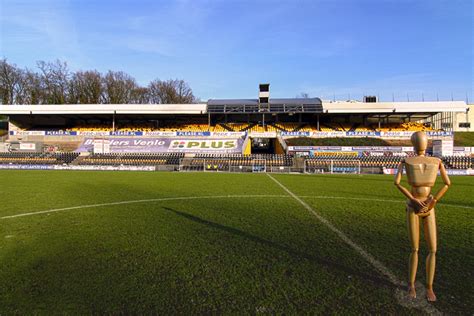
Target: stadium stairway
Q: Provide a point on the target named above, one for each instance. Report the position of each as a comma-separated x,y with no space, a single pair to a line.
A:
277,127
326,127
299,127
64,146
354,127
226,127
79,159
248,127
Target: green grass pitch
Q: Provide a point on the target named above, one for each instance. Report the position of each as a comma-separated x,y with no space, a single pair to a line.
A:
184,243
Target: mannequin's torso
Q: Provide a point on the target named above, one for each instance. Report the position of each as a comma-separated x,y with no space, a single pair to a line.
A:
421,173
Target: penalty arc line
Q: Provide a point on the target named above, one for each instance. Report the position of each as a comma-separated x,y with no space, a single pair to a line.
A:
141,201
424,305
379,266
211,197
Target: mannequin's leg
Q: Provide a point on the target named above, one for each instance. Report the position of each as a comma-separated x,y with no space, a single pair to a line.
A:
414,235
429,224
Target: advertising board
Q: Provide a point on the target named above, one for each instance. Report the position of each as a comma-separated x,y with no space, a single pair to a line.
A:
163,145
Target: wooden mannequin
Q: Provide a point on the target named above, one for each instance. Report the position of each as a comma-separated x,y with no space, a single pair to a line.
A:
421,173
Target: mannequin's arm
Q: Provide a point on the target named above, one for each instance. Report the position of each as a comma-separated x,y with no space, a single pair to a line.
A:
398,178
447,182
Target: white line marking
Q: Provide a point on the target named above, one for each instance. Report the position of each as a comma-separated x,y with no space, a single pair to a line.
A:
375,200
213,197
401,296
423,304
454,205
141,201
348,198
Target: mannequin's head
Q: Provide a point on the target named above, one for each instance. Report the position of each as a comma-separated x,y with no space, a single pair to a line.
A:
420,142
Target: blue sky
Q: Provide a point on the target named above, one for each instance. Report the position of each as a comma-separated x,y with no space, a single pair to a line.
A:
224,49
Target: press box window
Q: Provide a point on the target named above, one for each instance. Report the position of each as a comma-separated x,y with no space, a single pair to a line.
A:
264,87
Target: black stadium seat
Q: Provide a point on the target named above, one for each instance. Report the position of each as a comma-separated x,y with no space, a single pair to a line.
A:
223,161
133,159
37,158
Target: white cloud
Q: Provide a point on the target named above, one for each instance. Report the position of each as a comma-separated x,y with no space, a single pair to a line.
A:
48,28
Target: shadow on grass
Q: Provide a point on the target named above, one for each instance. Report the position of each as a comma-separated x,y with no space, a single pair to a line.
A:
295,253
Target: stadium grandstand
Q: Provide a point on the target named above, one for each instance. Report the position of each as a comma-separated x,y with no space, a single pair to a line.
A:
230,134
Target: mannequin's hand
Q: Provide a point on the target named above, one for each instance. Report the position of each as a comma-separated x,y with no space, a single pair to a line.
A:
420,206
430,202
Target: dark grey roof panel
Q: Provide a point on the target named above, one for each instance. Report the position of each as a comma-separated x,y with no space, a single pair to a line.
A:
289,101
232,102
296,101
307,105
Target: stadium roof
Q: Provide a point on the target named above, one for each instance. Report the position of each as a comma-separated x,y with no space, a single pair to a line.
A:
198,108
292,101
302,105
295,105
349,107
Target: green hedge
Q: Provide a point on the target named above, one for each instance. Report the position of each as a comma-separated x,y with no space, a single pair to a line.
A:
464,139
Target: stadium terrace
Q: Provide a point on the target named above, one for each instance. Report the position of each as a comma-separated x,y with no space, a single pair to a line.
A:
262,134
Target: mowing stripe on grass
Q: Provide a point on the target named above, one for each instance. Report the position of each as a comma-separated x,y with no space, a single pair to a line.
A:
142,201
422,304
211,197
375,200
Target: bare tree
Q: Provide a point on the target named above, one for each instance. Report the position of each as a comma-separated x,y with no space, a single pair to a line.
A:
140,95
170,91
184,93
10,82
303,95
155,92
55,81
86,87
18,86
31,92
29,88
118,87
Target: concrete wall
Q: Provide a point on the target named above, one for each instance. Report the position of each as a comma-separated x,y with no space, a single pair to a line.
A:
465,118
